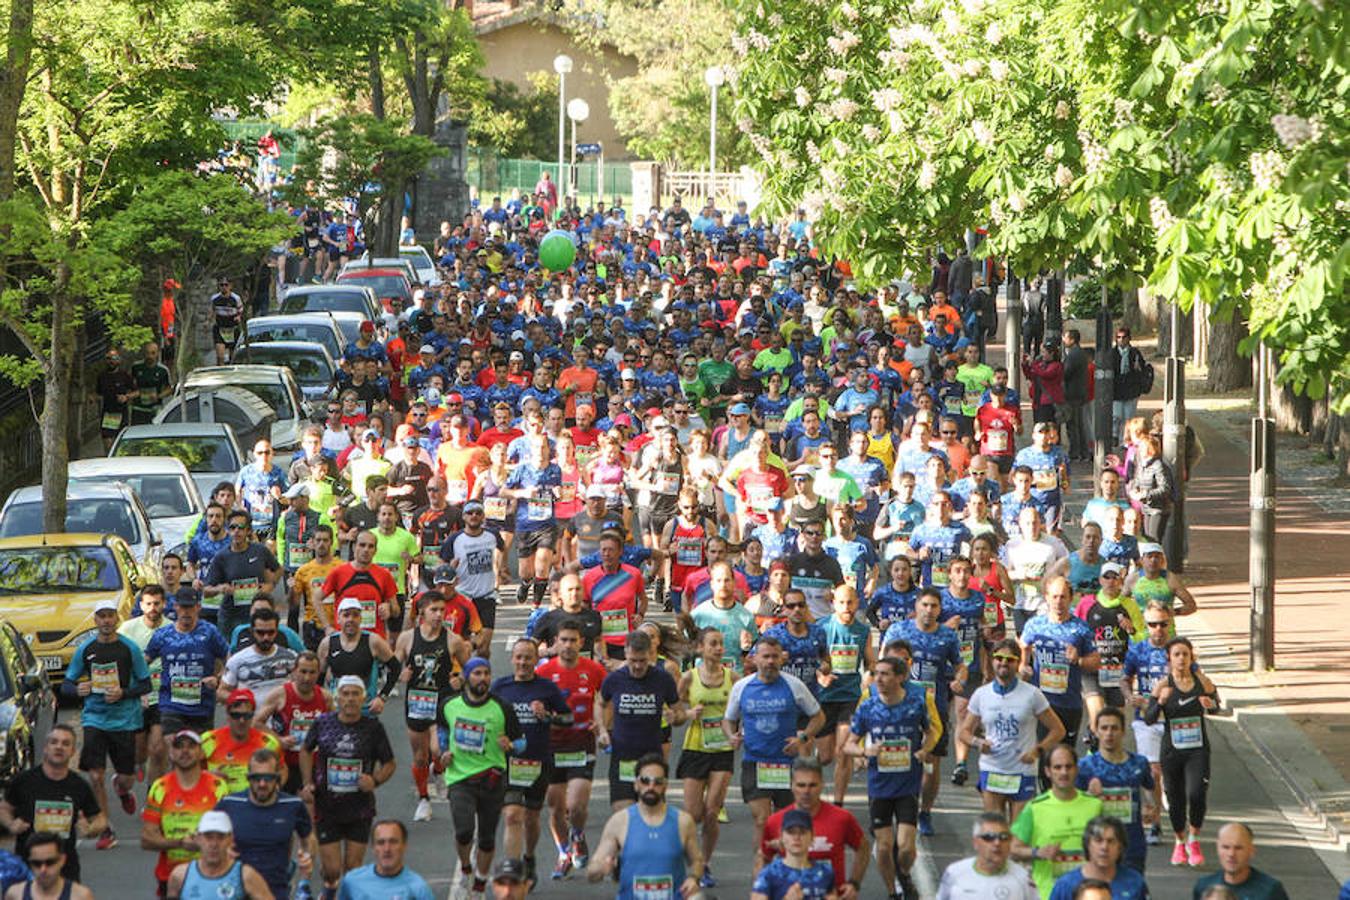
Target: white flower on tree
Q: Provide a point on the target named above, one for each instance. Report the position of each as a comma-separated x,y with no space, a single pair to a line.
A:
1017,203
927,175
843,109
993,34
1062,110
803,96
1063,176
998,69
982,132
1291,130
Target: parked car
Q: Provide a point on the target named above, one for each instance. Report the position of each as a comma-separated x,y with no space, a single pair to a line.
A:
310,363
25,692
96,508
422,263
249,415
273,385
210,450
49,584
164,485
350,324
318,328
309,298
390,284
384,262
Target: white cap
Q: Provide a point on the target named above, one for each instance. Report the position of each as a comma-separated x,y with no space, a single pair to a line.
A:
295,490
517,335
1111,568
349,603
628,373
214,822
1146,549
351,681
596,490
105,603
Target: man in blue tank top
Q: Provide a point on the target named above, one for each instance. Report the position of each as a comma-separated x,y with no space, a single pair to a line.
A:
653,847
215,873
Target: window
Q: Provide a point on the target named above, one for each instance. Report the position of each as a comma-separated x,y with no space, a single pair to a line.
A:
58,570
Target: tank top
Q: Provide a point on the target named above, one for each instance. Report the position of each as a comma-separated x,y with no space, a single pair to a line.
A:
989,585
359,661
1084,577
800,516
668,476
297,716
1186,730
705,734
687,543
496,508
651,866
882,448
610,477
28,890
1146,589
430,665
736,445
229,886
568,503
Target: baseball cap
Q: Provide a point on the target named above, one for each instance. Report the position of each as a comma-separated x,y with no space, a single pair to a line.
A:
299,489
445,575
432,396
186,733
508,869
1112,569
1042,426
351,681
187,598
594,491
739,409
349,603
1146,549
241,695
624,419
369,433
410,441
108,604
427,348
805,470
517,335
473,506
797,818
628,374
517,355
214,822
376,481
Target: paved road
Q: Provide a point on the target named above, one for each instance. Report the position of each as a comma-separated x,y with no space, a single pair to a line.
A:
124,872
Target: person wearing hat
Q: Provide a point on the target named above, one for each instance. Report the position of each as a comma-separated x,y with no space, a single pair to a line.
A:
371,462
409,475
227,312
345,757
511,879
476,554
428,367
296,528
356,649
794,867
228,749
176,803
482,729
108,675
1152,581
216,872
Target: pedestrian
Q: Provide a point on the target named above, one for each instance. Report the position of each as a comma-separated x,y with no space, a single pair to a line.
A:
387,876
291,710
635,700
1048,832
1057,650
174,805
990,872
47,861
227,750
1045,375
1073,419
1152,487
1236,848
1104,844
217,872
1133,378
1182,700
358,653
51,799
272,829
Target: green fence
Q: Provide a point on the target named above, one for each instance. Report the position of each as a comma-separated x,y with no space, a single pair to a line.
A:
493,175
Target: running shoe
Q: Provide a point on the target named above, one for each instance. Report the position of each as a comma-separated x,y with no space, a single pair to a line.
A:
423,811
1154,835
1179,854
479,888
563,866
707,881
724,818
107,840
908,890
1194,855
960,774
580,851
128,803
926,824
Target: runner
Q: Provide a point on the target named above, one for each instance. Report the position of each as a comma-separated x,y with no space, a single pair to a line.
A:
617,592
46,859
989,872
109,675
237,573
291,710
227,311
174,805
572,609
805,647
834,827
732,619
307,585
431,656
475,553
815,572
395,551
216,872
1152,581
262,665
345,757
1103,845
706,758
794,874
685,539
370,585
635,701
53,799
534,485
1114,619
1121,779
1057,650
851,655
192,655
894,733
481,730
227,750
1146,664
1048,833
358,653
387,876
939,540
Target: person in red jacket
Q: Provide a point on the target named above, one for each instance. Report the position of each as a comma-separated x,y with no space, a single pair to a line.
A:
1046,377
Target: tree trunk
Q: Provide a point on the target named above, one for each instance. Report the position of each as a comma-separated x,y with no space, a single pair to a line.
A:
1185,330
13,82
1229,370
56,414
376,75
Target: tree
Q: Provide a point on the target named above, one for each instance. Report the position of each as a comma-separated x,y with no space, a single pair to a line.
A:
516,122
1200,146
13,84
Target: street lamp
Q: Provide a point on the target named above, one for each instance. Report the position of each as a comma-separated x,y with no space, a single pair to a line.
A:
577,110
562,64
715,77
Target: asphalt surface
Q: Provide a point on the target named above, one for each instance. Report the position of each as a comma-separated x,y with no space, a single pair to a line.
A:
1235,793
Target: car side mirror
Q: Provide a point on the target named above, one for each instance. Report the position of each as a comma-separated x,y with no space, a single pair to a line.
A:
31,682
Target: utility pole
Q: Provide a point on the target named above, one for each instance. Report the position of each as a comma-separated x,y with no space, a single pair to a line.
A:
1105,391
1261,532
1012,341
1174,450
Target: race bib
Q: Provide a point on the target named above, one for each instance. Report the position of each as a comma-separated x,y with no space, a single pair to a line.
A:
952,404
614,622
1066,861
972,399
567,492
893,755
667,482
227,335
524,772
495,508
301,723
156,679
1187,733
368,615
688,551
1029,592
1116,801
457,491
185,690
344,775
760,498
967,651
990,611
422,704
244,590
53,816
773,776
300,555
843,659
999,783
585,454
653,887
583,398
470,736
939,574
997,441
1045,479
1055,677
628,770
714,738
773,424
103,677
1110,674
569,759
111,421
538,509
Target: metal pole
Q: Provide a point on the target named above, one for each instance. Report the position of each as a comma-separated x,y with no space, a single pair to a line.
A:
572,169
1104,441
1261,543
562,118
1174,451
600,173
1012,341
712,147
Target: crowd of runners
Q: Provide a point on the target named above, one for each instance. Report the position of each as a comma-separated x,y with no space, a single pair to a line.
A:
781,539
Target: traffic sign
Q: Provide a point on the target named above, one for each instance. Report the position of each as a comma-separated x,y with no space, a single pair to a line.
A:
588,149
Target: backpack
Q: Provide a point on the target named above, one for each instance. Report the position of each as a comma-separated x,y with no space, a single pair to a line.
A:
1145,376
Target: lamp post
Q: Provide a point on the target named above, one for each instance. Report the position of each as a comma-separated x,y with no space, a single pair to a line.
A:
715,77
562,64
577,110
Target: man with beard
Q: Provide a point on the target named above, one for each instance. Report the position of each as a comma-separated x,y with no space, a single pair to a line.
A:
481,730
238,573
267,823
650,847
174,805
631,711
264,663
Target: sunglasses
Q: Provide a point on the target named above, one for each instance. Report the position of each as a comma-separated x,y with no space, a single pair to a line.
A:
263,776
241,715
35,863
1163,624
1110,575
334,410
991,836
1006,658
652,780
947,433
235,526
794,606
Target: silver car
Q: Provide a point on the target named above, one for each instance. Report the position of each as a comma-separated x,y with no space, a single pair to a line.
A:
108,508
310,363
273,385
208,449
163,484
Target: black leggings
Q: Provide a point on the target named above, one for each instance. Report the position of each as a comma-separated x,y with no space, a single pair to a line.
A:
1186,784
478,801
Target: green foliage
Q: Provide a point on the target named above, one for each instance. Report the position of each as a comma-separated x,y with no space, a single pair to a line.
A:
518,123
1200,146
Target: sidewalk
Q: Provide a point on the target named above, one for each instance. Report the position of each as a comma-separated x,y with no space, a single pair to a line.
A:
1298,716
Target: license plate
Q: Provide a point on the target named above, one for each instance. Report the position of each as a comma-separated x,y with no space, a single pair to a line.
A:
53,663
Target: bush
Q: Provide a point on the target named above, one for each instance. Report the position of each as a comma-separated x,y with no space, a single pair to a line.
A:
1086,299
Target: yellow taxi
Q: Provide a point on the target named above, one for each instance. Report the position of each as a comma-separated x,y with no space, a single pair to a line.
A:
49,584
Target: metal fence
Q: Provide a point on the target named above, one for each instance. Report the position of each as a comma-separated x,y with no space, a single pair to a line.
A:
494,175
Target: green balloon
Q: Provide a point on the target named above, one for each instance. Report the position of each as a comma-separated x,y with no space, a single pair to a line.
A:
557,251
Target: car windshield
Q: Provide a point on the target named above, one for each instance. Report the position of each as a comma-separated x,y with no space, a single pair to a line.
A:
324,301
163,495
420,262
307,369
274,395
385,285
58,570
205,453
100,516
301,331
